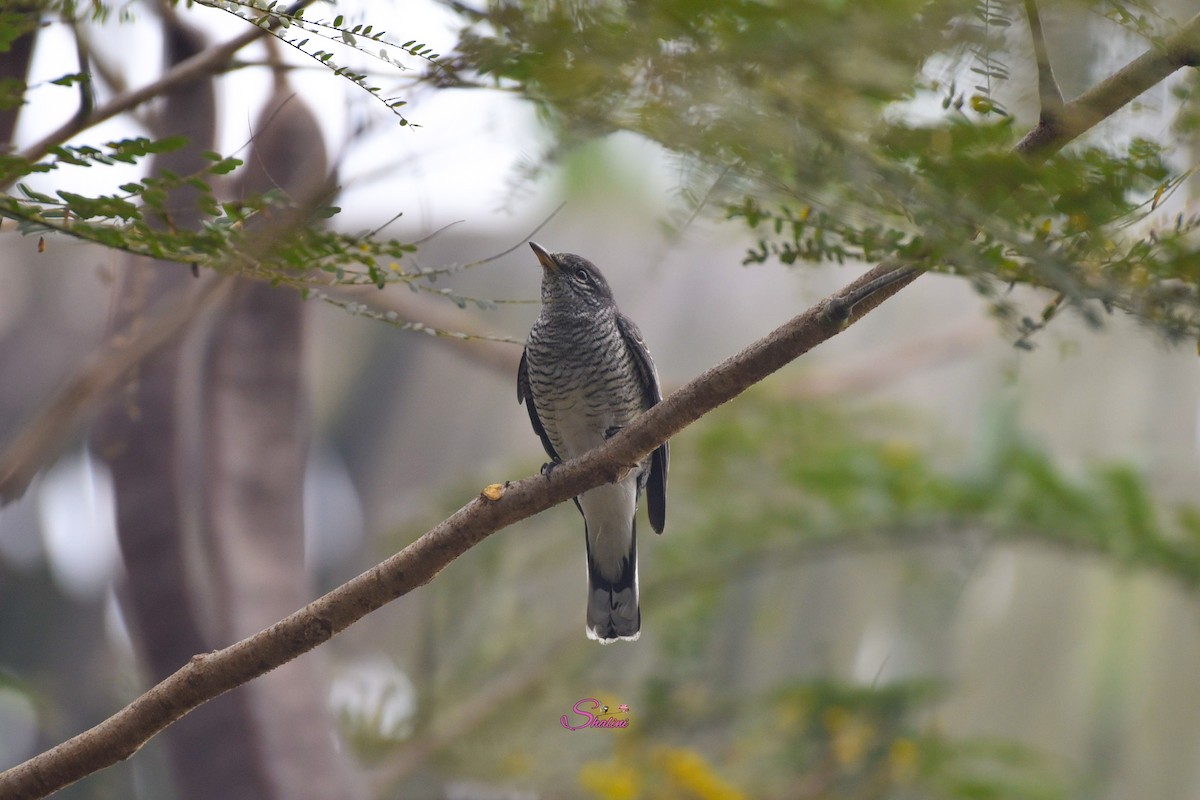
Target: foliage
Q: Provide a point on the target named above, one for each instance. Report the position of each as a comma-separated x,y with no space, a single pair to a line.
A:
835,152
829,740
808,121
825,153
335,32
798,481
138,217
827,481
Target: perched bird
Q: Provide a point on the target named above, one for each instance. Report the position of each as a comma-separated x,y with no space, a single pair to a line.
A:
584,375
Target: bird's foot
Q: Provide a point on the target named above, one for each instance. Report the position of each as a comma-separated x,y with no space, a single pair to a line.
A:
549,466
611,432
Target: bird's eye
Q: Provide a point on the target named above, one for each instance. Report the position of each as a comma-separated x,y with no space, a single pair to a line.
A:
581,275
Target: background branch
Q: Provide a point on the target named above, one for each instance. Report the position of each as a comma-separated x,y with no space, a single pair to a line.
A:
1105,98
42,438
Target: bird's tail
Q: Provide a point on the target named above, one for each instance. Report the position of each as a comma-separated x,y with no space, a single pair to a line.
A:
612,604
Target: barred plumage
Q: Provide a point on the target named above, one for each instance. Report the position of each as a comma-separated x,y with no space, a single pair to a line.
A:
584,375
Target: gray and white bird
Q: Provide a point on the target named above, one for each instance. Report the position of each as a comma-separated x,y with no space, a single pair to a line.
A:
584,375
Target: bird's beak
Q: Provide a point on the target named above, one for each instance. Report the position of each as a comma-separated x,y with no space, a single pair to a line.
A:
544,258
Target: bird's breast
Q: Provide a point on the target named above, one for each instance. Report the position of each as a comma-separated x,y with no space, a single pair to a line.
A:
582,381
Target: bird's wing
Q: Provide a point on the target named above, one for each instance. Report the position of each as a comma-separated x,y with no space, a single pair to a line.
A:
656,486
524,395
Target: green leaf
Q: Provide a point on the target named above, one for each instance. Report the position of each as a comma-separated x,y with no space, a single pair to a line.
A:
37,197
70,79
67,157
225,166
102,207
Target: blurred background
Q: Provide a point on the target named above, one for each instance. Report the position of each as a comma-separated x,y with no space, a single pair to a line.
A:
919,562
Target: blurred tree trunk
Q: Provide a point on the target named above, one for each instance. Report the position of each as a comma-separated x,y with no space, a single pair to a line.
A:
14,66
255,438
224,446
140,436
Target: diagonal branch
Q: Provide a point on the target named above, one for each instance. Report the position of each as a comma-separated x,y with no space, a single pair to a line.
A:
1182,49
208,675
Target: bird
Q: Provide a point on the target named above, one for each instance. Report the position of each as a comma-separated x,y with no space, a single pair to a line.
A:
584,374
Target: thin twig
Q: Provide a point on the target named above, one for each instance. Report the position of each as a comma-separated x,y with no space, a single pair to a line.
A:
480,347
521,242
1049,94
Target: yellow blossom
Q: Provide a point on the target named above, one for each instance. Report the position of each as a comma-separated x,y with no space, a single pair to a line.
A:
903,759
690,772
849,734
610,780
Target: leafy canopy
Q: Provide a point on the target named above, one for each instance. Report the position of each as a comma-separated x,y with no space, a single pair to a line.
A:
839,131
835,131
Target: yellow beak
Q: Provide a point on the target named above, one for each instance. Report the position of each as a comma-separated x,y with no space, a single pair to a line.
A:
544,258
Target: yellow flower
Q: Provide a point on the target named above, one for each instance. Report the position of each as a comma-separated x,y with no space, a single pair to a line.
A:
610,780
903,759
849,735
897,453
690,772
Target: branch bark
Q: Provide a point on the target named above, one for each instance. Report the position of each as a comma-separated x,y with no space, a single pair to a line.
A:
209,675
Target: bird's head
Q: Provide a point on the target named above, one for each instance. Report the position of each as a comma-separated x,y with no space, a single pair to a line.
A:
571,281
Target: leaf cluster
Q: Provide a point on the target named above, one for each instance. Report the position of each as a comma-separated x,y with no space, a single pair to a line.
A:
826,476
139,219
366,39
834,151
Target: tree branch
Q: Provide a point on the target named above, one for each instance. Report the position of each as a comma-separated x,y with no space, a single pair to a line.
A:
1182,49
209,675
